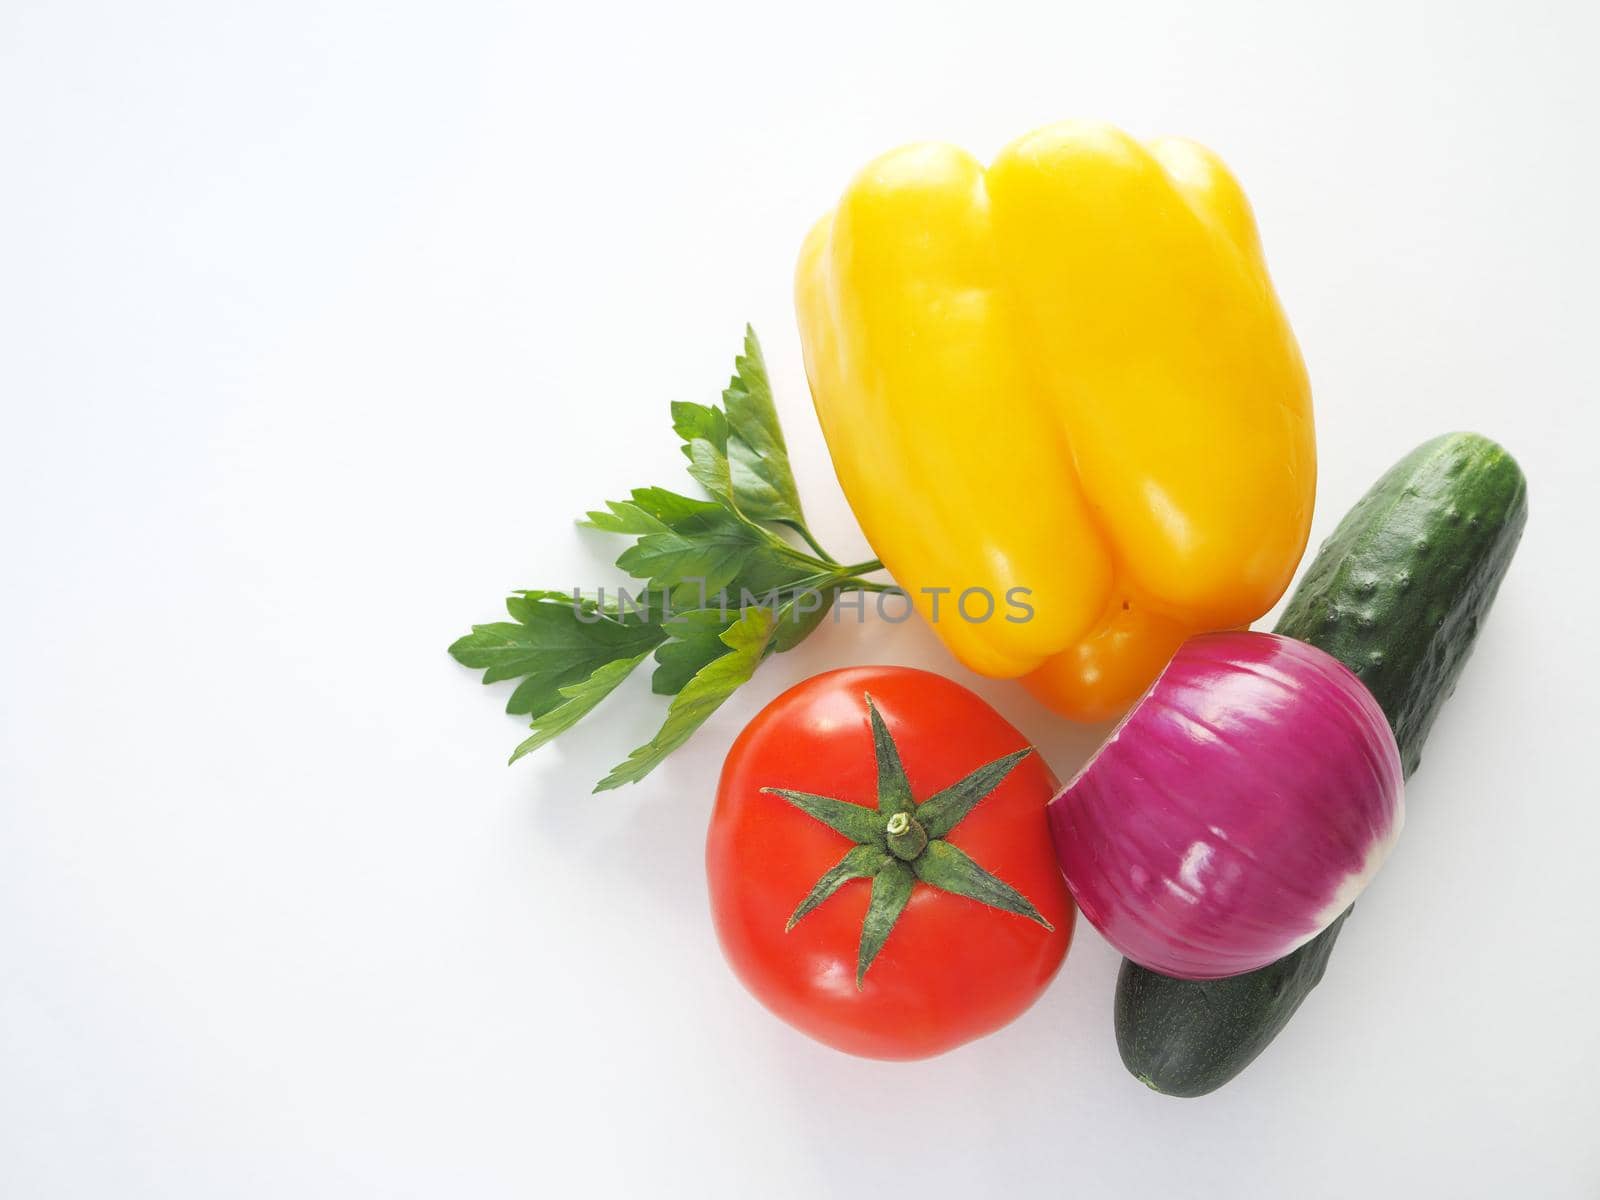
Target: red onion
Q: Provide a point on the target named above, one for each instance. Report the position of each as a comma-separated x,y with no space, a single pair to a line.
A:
1239,808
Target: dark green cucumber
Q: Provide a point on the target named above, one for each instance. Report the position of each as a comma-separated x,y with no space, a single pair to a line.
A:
1396,594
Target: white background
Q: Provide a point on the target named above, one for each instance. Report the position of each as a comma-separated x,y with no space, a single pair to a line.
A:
318,326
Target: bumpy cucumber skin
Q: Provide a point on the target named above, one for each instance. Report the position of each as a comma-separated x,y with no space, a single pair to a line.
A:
1396,594
1399,590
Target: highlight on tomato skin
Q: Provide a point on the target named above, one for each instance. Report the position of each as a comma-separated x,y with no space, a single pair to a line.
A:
964,918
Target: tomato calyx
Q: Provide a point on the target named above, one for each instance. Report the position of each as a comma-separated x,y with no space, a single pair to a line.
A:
901,841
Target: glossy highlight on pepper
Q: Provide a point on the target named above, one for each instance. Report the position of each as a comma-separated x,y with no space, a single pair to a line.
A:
1067,372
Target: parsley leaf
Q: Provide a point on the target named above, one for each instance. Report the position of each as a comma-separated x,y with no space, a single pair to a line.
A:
748,640
693,640
704,430
577,700
551,646
700,422
797,619
712,558
624,516
758,459
737,452
650,510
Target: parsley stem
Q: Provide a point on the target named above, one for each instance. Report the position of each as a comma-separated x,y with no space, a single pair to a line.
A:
805,534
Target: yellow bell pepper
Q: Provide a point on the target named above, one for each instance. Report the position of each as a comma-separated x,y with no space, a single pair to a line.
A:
1068,373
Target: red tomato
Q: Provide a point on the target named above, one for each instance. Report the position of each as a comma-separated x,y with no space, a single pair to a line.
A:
952,969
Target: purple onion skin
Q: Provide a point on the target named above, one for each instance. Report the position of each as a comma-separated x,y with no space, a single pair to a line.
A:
1238,809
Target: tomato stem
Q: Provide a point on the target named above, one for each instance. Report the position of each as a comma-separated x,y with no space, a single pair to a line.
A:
906,837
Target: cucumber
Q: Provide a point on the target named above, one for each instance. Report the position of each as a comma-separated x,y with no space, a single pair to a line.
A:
1396,594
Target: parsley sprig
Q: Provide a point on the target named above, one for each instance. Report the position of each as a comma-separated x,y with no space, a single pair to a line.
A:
696,563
